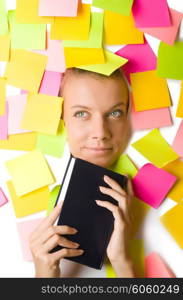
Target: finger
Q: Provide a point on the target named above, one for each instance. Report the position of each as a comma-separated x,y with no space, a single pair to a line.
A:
116,195
114,185
66,253
56,240
130,188
117,214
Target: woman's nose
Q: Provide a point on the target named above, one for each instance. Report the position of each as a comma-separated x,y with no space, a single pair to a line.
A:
100,129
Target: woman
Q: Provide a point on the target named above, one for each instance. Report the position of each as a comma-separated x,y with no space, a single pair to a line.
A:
97,122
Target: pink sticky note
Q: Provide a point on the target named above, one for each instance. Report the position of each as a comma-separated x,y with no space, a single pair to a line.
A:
151,184
166,34
64,8
3,198
155,267
151,13
50,83
16,111
23,92
178,141
25,229
140,58
4,124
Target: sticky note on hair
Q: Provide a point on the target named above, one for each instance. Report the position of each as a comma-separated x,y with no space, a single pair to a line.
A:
155,148
29,172
149,91
30,203
179,112
118,6
50,84
3,198
153,192
25,69
64,8
155,267
119,29
177,144
56,59
42,113
5,47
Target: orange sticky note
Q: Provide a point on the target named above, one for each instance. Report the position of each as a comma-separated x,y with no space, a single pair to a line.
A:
22,142
179,112
155,267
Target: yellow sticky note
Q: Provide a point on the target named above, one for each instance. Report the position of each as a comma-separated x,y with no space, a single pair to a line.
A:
72,28
42,113
176,168
173,221
2,95
25,69
179,112
30,203
137,254
5,47
27,12
121,29
155,148
124,165
22,142
149,91
29,172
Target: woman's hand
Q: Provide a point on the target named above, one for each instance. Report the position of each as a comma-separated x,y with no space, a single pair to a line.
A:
117,247
44,239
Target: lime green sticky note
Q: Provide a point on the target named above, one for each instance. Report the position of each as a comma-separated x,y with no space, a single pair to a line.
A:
112,62
95,35
26,36
124,165
2,6
53,145
52,199
119,6
3,23
170,60
155,148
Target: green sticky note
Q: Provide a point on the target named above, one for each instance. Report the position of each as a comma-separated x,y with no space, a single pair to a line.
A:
170,60
52,144
2,6
124,166
52,199
26,36
95,35
118,6
3,23
112,63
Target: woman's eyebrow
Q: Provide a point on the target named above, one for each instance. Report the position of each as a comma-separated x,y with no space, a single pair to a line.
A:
86,107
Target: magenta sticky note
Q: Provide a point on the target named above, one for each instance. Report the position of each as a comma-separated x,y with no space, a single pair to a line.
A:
25,228
152,184
156,267
4,124
50,84
178,140
166,34
140,58
3,198
149,13
60,8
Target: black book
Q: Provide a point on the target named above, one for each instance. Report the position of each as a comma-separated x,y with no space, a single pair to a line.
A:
79,190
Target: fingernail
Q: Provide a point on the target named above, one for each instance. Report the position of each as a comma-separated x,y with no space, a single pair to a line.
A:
98,201
81,251
74,229
76,245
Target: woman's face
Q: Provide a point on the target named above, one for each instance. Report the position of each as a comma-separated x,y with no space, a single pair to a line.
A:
95,116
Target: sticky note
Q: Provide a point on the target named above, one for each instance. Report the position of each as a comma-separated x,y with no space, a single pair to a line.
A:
27,12
25,69
177,144
53,145
42,113
139,211
151,13
112,62
29,172
16,110
56,59
119,29
3,198
166,34
173,222
137,254
4,24
153,192
2,95
149,91
156,267
4,124
64,8
176,168
25,228
5,47
179,112
140,58
52,199
2,6
22,142
26,36
50,84
117,6
155,148
72,28
170,60
30,203
124,165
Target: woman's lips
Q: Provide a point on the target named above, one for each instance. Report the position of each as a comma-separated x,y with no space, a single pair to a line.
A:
98,150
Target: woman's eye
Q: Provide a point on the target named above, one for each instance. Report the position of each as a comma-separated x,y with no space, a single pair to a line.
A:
116,113
80,114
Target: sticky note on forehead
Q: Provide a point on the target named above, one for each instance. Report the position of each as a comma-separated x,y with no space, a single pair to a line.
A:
29,172
118,6
25,69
